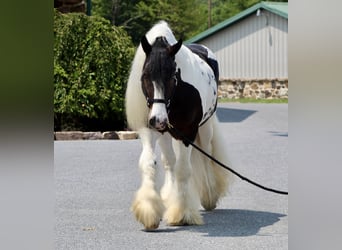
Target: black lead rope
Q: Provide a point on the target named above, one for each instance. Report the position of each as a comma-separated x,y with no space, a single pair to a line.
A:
180,134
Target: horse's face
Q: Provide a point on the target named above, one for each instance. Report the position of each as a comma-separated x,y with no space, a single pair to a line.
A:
158,79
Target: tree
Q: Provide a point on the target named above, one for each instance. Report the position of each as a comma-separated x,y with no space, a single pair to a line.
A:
137,17
118,12
224,9
91,66
186,18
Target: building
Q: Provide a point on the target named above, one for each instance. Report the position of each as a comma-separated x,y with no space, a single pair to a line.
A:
251,48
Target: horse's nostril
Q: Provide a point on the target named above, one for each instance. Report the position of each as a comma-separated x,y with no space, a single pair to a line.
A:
152,121
164,123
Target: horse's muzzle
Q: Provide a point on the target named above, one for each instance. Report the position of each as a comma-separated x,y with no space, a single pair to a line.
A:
160,125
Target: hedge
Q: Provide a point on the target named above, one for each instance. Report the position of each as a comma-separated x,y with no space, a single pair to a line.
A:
91,66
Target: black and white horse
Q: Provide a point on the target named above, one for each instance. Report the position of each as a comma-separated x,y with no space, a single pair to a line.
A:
175,84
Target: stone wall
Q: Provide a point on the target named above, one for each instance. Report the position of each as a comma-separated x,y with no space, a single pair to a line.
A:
109,135
253,88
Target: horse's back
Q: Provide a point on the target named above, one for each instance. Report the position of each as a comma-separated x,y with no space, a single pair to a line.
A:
205,54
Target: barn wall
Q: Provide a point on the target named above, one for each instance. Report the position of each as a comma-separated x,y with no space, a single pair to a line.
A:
253,48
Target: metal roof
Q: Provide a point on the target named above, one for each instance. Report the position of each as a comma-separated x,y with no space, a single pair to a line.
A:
279,8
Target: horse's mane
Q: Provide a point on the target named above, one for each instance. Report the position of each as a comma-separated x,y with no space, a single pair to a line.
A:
161,29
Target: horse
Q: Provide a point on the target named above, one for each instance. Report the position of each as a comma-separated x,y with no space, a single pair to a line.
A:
174,85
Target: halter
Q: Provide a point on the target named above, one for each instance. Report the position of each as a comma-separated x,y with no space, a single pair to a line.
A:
167,102
161,42
150,102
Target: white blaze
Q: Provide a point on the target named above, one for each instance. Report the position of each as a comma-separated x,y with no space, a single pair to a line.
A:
158,109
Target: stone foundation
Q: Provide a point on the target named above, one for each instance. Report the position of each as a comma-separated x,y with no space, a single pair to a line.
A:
253,88
109,135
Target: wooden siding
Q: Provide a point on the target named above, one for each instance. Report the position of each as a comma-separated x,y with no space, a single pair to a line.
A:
253,48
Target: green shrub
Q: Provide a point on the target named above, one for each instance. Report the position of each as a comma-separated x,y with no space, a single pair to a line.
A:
91,64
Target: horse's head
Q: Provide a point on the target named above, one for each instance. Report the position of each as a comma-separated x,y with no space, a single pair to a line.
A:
158,79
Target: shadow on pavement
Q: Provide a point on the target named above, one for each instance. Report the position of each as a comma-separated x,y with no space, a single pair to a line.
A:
236,222
276,133
233,115
229,223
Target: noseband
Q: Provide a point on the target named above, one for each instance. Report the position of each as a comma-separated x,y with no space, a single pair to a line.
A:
150,102
167,102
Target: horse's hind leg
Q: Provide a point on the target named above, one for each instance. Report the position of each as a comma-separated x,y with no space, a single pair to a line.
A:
211,179
147,205
182,201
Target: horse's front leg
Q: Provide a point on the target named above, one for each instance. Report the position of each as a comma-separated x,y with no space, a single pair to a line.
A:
168,159
183,200
147,205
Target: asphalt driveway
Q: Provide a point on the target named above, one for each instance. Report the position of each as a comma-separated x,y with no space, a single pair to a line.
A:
95,182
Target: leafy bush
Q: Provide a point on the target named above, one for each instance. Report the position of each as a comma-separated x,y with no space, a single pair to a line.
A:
91,64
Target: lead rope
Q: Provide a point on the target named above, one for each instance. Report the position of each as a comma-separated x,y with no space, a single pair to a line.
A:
181,135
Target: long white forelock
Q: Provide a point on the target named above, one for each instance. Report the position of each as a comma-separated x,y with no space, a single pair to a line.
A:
161,29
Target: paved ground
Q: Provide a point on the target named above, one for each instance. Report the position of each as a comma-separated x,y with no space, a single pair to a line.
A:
96,180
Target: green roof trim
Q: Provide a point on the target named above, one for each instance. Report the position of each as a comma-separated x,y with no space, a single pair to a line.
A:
278,8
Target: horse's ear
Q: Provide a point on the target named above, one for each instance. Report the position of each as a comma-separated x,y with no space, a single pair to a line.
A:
145,45
175,48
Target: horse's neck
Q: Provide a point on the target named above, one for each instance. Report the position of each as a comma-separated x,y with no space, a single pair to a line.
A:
185,60
197,73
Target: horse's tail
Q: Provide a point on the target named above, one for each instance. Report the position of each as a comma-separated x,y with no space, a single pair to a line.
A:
210,179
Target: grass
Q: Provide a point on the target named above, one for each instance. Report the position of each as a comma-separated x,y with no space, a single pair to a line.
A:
252,100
